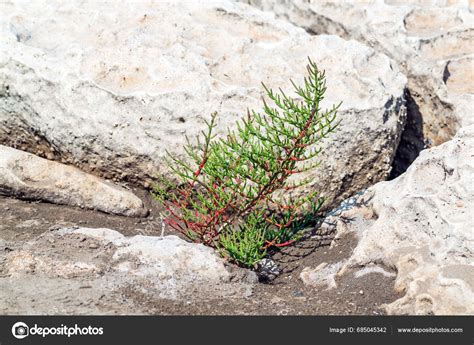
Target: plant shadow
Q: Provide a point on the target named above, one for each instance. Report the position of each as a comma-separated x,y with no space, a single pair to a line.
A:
320,235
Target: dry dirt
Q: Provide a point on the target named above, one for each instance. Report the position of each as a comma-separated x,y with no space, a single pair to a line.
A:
287,295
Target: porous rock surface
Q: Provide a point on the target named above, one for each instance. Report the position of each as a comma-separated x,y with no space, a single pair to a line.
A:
76,270
110,88
421,225
432,42
24,175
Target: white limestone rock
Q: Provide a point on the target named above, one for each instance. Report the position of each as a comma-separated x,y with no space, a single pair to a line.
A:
421,225
323,275
109,88
431,41
85,270
167,257
27,176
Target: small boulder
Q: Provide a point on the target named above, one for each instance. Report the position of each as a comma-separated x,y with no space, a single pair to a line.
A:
101,266
421,225
27,176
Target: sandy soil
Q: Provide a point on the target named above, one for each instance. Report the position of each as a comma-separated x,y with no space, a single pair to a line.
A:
286,295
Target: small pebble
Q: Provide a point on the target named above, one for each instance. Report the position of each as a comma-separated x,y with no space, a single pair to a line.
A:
298,293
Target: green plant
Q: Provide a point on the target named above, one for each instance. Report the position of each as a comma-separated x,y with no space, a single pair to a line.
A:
246,245
236,194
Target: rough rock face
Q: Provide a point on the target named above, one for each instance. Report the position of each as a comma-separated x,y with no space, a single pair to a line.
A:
109,89
323,275
464,4
431,41
103,262
421,225
27,176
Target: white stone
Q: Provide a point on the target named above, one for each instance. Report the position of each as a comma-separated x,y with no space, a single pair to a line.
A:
324,275
167,256
421,225
25,175
110,88
431,41
81,278
373,269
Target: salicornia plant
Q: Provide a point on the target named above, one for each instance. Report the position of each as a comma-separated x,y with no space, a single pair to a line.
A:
234,193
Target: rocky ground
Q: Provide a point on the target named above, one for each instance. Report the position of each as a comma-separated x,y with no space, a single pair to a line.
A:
91,97
24,221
